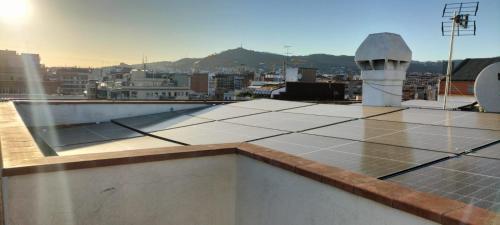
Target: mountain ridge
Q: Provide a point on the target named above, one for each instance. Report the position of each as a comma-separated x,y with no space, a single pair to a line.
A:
232,59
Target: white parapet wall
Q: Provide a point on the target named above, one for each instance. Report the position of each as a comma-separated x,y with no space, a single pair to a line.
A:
41,114
186,191
212,190
269,195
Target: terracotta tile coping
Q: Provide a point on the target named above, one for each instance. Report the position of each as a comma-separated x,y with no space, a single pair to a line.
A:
84,101
16,142
438,209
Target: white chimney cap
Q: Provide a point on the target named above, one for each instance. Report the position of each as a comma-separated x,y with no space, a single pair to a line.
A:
385,45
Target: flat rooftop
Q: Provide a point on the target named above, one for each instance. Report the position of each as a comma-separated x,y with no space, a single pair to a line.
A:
453,155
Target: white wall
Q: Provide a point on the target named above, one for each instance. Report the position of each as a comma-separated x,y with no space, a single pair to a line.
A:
195,191
382,87
215,190
268,195
39,114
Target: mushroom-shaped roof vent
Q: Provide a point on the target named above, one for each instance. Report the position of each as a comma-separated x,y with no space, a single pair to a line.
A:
383,46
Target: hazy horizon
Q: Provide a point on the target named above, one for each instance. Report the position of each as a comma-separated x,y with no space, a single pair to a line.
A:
102,33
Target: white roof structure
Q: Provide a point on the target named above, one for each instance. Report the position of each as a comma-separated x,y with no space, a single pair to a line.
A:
383,46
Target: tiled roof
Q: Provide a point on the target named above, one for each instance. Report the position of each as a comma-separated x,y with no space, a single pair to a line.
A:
469,69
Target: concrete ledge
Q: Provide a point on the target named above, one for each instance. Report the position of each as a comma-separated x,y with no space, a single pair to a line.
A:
59,102
71,162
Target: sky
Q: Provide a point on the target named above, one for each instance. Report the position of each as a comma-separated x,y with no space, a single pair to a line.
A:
95,33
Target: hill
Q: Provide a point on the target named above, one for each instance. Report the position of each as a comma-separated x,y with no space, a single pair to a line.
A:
235,58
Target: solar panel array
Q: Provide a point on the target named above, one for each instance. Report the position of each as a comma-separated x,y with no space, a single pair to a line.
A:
161,121
469,179
144,142
287,121
343,110
80,134
367,158
441,152
436,138
445,118
215,133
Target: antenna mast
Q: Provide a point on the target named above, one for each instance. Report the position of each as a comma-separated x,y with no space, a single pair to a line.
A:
287,48
459,24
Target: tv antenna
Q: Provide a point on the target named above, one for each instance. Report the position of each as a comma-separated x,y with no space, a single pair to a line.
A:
459,24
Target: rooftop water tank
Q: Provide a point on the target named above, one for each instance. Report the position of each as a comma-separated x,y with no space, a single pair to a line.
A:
487,88
383,59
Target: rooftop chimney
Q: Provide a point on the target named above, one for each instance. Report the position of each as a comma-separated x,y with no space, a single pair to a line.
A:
383,59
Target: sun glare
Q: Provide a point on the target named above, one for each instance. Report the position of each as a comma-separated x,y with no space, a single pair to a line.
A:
13,11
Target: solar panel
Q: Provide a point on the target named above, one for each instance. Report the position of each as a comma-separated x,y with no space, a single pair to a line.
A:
216,133
476,120
269,104
62,136
397,153
444,118
161,121
374,167
371,159
444,139
436,138
296,143
112,146
361,129
430,104
492,151
286,121
351,111
472,180
220,112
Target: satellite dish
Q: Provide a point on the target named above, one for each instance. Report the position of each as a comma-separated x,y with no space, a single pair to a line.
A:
487,88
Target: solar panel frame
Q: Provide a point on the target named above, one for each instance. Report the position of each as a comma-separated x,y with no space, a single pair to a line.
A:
350,111
371,128
222,112
287,121
216,132
161,121
298,143
270,105
492,151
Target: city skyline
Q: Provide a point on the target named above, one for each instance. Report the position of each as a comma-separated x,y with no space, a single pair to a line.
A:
84,33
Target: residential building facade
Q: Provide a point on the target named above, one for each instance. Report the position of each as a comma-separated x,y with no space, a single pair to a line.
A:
22,75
